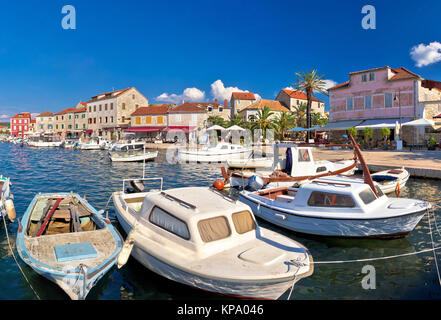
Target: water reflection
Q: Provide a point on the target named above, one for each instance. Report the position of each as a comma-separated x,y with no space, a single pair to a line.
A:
92,174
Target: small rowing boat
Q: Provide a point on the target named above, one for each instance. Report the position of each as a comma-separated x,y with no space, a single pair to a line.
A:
63,238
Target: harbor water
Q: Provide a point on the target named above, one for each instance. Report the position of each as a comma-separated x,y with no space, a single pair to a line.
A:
91,174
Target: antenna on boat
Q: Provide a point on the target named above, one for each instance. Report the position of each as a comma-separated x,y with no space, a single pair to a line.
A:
143,165
366,173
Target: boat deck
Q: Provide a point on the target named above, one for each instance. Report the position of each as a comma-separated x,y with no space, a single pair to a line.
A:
42,248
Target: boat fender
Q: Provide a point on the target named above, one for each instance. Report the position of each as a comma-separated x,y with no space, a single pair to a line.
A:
397,190
218,184
126,250
10,209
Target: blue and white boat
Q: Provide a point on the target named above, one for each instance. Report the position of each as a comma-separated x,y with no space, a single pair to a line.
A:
63,238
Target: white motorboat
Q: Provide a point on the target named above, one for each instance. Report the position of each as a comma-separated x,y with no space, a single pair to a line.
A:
44,141
127,146
263,162
95,143
201,238
293,164
220,152
391,180
68,144
337,206
133,156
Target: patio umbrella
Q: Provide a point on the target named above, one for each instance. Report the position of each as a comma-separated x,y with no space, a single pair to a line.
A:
235,128
216,127
297,129
420,123
314,128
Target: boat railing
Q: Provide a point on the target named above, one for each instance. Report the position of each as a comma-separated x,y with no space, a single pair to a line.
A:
337,184
166,195
225,196
143,179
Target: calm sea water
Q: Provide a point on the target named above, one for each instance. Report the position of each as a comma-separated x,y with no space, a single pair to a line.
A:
91,173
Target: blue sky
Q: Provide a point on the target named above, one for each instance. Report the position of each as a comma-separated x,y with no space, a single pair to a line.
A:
165,47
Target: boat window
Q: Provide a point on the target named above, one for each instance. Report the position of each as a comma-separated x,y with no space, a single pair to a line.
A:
224,147
304,155
170,223
214,229
243,222
325,199
367,196
321,169
379,191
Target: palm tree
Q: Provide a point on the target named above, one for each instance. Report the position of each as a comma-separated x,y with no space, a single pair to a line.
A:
309,82
299,114
217,120
236,120
262,120
283,123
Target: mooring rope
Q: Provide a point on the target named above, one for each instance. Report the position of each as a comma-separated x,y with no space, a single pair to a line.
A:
433,247
15,259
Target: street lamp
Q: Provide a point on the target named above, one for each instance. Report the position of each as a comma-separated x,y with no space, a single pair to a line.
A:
399,104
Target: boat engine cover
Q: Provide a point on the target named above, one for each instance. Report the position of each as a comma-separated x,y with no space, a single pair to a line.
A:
255,183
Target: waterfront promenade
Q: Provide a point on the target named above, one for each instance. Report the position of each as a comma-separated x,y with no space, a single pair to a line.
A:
419,163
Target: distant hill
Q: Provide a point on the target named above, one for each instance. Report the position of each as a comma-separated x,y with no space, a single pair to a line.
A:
6,124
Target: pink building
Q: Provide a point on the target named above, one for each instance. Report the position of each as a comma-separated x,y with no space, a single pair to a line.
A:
20,123
380,97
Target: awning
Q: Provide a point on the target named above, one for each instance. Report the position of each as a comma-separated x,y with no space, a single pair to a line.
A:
382,123
144,129
437,117
88,131
341,125
180,128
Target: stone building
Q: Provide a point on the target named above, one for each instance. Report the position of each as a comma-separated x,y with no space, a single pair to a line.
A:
241,100
45,122
292,99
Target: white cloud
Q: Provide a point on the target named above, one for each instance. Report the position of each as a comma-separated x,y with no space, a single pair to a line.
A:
34,114
4,116
425,55
220,92
189,94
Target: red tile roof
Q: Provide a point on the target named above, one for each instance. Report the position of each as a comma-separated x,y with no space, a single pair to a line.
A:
341,85
105,95
403,73
22,115
299,95
191,107
33,121
243,95
45,114
72,110
143,111
274,105
84,103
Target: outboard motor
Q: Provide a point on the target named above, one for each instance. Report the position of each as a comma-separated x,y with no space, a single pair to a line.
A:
255,183
137,185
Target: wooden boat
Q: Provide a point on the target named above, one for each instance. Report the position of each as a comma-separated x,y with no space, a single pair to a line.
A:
337,206
201,238
63,238
218,153
133,156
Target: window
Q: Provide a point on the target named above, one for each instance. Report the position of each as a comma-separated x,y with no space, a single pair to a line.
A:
111,106
194,117
133,96
243,222
76,126
94,120
136,106
94,108
105,107
106,119
349,104
169,223
298,102
367,196
138,120
388,100
304,155
325,199
214,229
101,120
160,120
209,109
321,169
41,126
83,115
69,126
62,126
56,126
177,117
76,116
372,76
221,109
124,107
100,108
148,120
15,128
368,102
84,126
90,109
111,119
363,77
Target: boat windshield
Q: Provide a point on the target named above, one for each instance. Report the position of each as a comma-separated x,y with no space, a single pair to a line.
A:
326,199
214,229
243,222
169,222
367,195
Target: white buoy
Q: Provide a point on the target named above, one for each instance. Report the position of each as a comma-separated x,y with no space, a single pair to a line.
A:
126,250
10,209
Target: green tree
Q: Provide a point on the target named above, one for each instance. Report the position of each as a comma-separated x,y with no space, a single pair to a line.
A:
299,114
368,132
353,132
318,120
236,120
309,82
282,123
262,120
385,133
216,120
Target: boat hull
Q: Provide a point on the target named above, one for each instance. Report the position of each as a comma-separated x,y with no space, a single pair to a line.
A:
259,289
393,227
206,157
138,158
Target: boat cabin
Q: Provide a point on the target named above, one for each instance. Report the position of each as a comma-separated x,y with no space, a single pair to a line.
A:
295,161
224,147
333,193
216,224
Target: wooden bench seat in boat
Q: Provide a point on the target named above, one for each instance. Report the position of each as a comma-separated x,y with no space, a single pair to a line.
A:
42,248
284,198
